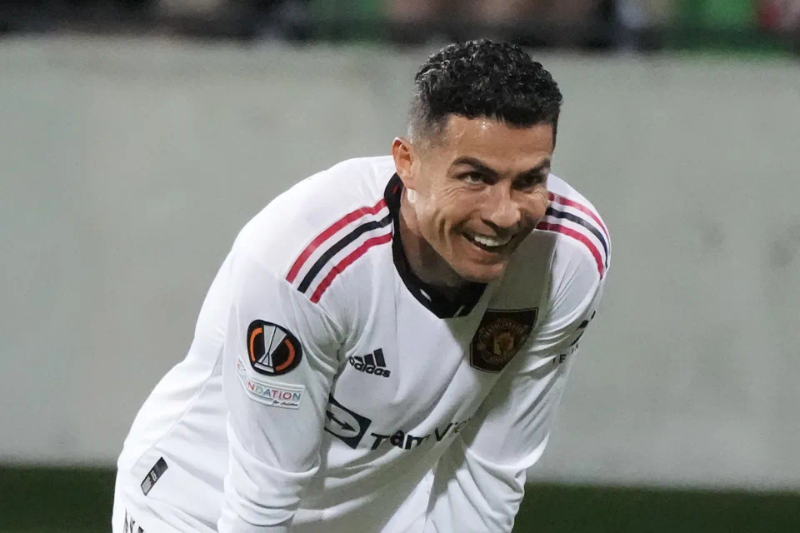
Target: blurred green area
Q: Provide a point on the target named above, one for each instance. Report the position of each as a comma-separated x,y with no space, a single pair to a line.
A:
718,13
694,26
40,500
713,13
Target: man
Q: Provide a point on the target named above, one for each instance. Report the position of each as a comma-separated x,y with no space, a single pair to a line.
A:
386,343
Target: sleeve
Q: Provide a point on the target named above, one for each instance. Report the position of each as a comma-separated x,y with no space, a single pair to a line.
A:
479,481
280,357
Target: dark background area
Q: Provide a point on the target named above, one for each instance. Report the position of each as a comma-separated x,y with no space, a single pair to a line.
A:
50,500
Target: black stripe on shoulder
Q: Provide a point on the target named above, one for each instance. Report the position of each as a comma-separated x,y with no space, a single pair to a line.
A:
583,222
339,246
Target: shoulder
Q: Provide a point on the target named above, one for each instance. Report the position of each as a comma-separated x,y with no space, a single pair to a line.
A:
576,227
581,253
301,230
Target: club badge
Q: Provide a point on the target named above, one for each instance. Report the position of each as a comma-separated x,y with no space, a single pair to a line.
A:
499,337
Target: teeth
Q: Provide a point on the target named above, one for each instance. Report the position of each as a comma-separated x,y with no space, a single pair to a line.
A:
491,242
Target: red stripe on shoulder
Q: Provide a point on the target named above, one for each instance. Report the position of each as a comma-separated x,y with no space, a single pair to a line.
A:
346,262
328,233
580,207
569,232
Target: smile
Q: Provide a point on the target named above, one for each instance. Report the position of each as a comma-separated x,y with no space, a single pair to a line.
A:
492,244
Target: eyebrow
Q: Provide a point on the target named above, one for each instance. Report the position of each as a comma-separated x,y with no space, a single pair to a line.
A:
486,169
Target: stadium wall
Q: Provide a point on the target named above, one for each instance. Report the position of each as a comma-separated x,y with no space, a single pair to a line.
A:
128,167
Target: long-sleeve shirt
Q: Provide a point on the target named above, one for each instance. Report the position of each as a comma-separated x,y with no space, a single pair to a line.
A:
329,389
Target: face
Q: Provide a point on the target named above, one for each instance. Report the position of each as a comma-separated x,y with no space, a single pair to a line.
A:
478,192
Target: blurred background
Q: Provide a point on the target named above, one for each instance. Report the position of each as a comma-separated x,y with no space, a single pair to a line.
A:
138,136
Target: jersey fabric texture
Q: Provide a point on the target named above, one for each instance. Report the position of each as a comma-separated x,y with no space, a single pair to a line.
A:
328,389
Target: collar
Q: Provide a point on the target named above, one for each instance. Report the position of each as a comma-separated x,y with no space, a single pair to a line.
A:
436,302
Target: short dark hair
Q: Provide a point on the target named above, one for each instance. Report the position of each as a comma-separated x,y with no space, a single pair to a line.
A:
482,78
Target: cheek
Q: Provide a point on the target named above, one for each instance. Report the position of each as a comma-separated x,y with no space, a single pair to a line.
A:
542,201
430,218
445,208
537,207
541,207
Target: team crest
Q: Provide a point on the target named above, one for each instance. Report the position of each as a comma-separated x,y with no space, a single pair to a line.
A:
499,337
272,350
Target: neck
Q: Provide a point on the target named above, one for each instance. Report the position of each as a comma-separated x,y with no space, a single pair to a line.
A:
424,261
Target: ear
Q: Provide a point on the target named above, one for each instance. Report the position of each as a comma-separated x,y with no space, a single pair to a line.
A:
404,161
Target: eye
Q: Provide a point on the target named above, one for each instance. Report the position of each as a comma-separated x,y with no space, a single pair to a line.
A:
530,181
474,178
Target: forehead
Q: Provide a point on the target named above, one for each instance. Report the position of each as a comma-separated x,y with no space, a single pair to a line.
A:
496,143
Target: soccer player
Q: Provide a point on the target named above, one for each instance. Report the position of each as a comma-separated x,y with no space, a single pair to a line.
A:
386,344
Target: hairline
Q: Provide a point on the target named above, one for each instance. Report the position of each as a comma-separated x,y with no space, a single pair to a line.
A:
433,131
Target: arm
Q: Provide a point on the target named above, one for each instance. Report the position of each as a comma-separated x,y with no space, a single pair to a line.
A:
276,387
479,481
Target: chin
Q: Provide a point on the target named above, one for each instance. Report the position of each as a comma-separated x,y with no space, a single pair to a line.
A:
483,273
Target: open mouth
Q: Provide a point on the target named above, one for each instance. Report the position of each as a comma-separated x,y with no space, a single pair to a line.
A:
490,244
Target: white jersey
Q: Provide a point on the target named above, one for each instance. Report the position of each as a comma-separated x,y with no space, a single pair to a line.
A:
329,390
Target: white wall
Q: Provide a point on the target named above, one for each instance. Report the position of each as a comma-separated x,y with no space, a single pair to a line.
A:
127,167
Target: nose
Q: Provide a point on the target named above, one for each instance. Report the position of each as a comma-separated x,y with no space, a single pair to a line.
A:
501,211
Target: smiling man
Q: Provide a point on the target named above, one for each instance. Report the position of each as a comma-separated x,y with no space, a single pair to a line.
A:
386,344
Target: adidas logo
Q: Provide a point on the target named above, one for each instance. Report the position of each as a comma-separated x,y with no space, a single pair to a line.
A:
373,363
